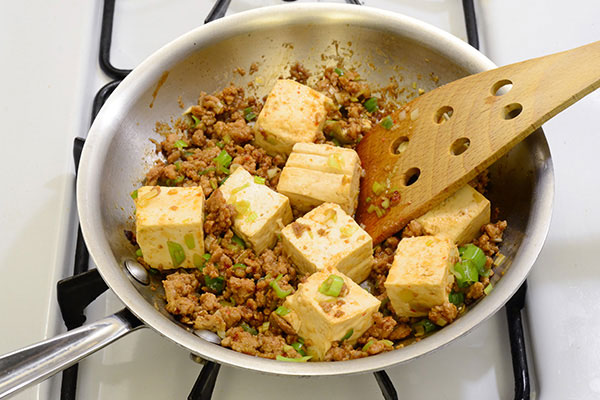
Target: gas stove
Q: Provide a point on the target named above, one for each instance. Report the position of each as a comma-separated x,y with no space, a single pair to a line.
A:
495,361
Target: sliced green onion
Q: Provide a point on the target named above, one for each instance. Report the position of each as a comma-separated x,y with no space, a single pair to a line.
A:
198,261
215,284
179,179
348,230
287,348
476,255
282,294
138,253
189,241
299,347
206,171
180,144
387,342
378,188
456,298
196,121
300,359
332,286
177,165
223,160
134,194
249,328
387,123
242,206
334,161
347,335
260,180
239,189
368,199
239,265
238,241
369,344
488,289
264,327
220,145
371,104
213,185
385,203
177,253
379,212
282,311
226,139
188,153
424,326
249,114
336,142
251,217
465,273
338,71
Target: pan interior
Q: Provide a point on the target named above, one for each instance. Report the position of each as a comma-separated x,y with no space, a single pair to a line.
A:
380,46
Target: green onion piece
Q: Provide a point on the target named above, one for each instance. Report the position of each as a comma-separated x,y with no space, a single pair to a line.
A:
371,208
180,144
368,199
226,139
134,194
465,273
371,104
223,160
177,165
299,347
177,253
242,206
206,256
264,327
220,145
206,171
456,298
282,294
332,286
199,261
347,335
213,185
189,241
260,180
424,326
251,217
348,230
387,123
338,71
369,344
239,189
238,241
282,311
215,284
179,179
387,342
188,153
196,121
476,255
300,359
154,271
138,253
287,348
488,289
239,265
336,142
385,203
249,328
249,114
378,188
379,212
300,340
334,161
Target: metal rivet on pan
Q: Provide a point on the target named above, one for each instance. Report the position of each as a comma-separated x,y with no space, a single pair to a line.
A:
208,336
138,272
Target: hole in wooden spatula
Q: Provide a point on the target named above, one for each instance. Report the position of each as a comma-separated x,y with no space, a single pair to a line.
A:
501,87
512,110
460,146
443,114
411,176
400,145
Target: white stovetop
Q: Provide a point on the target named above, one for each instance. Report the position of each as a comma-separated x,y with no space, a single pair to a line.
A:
49,75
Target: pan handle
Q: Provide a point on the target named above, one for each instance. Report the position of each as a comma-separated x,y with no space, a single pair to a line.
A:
37,362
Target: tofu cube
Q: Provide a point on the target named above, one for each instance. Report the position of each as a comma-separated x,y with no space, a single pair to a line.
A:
321,319
293,113
327,237
420,275
169,225
319,173
459,217
261,211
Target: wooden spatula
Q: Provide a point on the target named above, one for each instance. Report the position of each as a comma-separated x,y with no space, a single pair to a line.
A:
445,138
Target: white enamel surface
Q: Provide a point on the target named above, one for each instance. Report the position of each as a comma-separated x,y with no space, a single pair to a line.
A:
48,85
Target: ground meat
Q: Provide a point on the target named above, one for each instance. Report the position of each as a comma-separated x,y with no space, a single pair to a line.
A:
239,131
299,73
219,214
400,332
299,228
282,324
242,289
488,241
481,182
382,327
212,322
180,292
231,315
447,312
343,352
242,341
475,291
208,301
414,228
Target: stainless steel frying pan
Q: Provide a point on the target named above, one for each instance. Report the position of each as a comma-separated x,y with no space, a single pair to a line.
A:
380,45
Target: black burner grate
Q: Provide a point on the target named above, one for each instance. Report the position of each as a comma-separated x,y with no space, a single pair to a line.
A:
77,292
